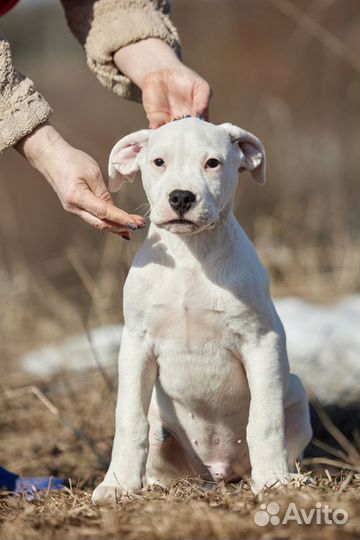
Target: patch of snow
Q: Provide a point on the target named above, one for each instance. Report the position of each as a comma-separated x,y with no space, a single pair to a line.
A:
323,345
76,353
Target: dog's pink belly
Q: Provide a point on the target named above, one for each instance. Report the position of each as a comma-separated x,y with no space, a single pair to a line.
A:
202,395
213,460
225,457
211,428
231,470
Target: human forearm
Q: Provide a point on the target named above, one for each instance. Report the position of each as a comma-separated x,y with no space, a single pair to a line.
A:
139,60
37,145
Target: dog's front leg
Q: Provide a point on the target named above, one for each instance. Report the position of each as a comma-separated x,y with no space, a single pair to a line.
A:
267,369
137,374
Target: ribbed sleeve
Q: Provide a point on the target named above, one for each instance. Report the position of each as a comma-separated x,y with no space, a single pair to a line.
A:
22,108
104,26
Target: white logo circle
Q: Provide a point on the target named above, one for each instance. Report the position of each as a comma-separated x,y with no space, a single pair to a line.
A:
262,516
344,516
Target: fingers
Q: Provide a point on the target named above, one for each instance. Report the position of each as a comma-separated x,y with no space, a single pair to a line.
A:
174,93
157,119
196,105
101,213
105,211
201,100
103,225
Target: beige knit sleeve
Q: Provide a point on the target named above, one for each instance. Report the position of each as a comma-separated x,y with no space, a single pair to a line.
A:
22,108
104,26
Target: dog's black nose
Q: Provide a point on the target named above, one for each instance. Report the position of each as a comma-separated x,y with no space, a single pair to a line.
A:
181,200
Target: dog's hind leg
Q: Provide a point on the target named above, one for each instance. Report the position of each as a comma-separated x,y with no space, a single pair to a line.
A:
298,430
167,460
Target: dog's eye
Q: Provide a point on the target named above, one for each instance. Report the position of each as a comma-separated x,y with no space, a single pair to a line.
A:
159,162
212,163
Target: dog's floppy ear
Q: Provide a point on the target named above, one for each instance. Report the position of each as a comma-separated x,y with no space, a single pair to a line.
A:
123,161
252,151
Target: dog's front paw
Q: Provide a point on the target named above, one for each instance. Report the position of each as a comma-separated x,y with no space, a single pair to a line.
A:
107,494
270,480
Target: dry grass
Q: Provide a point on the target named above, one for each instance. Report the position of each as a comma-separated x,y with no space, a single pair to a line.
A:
184,511
70,436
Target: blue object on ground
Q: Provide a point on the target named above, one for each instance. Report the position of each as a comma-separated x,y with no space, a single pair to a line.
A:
28,485
7,480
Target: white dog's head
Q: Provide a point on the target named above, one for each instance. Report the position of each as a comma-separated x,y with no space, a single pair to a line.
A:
189,170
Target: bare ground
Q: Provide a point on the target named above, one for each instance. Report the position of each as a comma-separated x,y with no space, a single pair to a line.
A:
70,435
182,512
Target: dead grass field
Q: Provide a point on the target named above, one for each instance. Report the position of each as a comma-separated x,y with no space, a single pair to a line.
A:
183,512
71,438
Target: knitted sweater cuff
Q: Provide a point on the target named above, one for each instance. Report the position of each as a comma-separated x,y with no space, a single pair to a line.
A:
113,24
21,119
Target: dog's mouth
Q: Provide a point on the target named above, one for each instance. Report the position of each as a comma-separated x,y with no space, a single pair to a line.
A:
180,221
185,226
180,226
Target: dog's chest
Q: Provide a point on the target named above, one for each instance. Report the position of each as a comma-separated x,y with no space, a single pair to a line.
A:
191,326
188,312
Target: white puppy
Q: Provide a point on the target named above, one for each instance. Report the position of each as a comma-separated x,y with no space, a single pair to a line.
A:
204,384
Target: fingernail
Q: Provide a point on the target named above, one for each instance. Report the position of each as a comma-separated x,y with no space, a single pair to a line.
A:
126,238
132,226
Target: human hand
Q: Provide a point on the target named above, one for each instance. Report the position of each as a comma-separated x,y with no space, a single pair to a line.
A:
169,88
77,180
174,92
